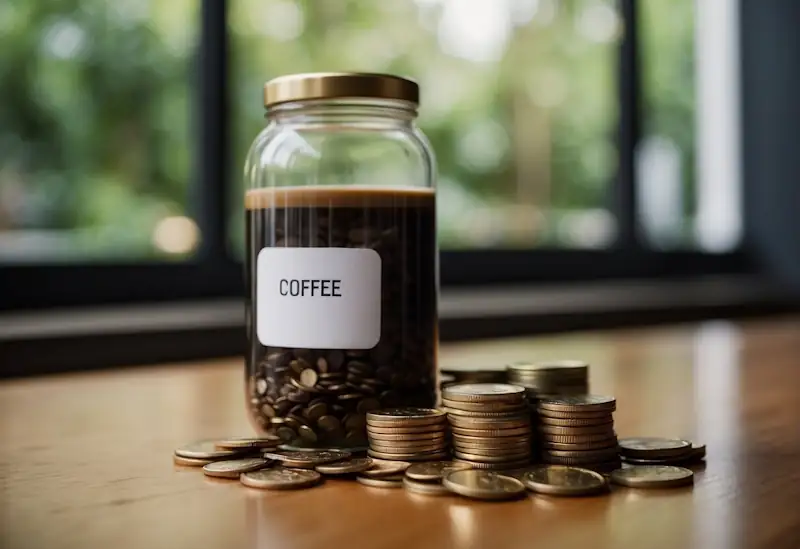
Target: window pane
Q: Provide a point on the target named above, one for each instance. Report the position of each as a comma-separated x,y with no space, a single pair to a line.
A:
688,169
519,98
95,143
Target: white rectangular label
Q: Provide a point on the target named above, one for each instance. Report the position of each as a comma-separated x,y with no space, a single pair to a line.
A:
319,298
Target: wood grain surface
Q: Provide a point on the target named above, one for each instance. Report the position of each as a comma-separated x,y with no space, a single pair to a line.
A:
85,459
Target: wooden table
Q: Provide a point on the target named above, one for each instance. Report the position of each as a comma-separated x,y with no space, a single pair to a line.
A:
86,458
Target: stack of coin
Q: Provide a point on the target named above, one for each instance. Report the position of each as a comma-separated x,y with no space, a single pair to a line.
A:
578,431
408,434
660,451
550,379
490,424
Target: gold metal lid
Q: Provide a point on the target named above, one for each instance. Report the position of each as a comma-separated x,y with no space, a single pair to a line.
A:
329,85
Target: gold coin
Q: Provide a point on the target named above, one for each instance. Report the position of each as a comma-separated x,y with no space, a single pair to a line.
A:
500,458
559,480
232,468
579,403
410,430
654,447
347,466
262,442
484,406
488,423
308,458
383,482
280,479
510,465
395,417
478,484
494,433
425,488
595,430
574,415
579,446
653,476
437,435
433,470
576,422
413,456
206,449
484,392
385,468
519,413
191,462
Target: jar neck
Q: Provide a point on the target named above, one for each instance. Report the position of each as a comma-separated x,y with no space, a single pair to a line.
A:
325,111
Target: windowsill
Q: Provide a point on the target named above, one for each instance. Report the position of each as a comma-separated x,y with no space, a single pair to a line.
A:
69,339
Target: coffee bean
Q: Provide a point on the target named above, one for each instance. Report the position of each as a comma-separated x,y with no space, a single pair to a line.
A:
336,360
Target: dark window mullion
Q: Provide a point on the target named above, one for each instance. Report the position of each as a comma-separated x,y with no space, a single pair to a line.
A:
624,193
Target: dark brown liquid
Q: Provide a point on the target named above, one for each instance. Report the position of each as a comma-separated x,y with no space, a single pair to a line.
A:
400,370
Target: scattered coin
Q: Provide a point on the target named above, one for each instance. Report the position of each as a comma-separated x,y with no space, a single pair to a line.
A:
385,468
487,392
382,482
191,462
344,467
280,479
262,442
653,476
654,447
479,484
205,449
579,403
558,480
433,470
307,460
234,467
424,488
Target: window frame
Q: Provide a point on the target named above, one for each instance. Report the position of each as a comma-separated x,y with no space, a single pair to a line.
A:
213,272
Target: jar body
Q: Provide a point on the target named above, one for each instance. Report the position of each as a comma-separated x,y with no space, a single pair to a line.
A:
341,270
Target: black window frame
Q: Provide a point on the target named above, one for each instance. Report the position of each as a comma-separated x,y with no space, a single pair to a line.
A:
213,272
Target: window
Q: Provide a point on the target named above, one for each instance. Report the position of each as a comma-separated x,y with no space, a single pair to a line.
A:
557,125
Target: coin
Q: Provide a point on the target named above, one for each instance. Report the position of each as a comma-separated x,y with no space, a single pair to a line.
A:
433,470
407,437
280,479
698,451
581,461
653,476
498,433
393,417
559,480
576,422
408,456
597,455
262,442
491,443
681,460
232,468
484,406
191,462
484,392
573,414
596,430
488,423
352,465
519,413
478,484
391,448
425,488
551,366
498,458
579,403
405,430
205,449
502,466
654,447
582,446
307,459
384,468
383,482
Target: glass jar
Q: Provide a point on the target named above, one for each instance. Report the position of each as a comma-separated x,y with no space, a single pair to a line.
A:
341,257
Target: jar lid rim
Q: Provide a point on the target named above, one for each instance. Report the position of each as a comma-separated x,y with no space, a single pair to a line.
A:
331,85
